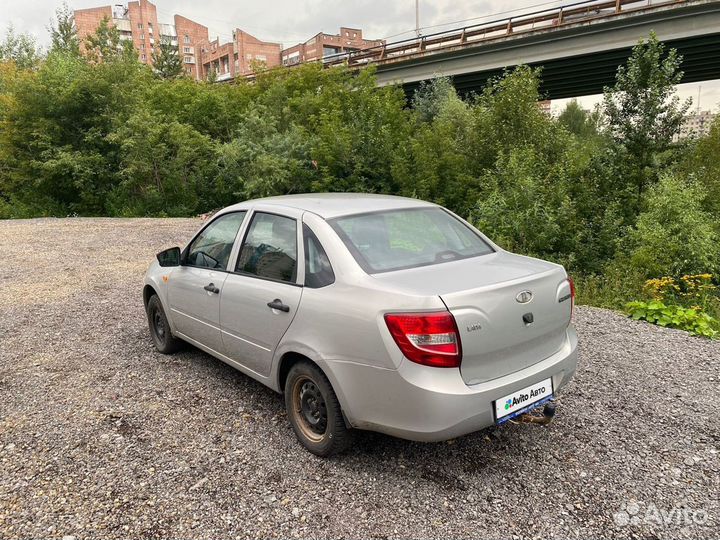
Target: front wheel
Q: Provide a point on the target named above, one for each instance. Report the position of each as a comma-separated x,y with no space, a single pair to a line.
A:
160,329
314,411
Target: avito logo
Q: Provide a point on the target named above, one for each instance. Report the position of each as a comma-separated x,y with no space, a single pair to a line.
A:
517,400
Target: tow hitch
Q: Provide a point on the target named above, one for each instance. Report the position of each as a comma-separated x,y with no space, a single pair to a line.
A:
548,414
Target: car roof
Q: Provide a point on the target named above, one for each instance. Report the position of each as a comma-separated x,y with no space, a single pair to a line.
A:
332,205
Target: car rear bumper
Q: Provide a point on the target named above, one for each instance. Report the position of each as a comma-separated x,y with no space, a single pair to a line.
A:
433,404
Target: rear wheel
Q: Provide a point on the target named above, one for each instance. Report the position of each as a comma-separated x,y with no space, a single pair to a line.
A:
160,329
314,411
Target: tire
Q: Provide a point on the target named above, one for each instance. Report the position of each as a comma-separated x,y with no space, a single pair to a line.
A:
160,332
314,411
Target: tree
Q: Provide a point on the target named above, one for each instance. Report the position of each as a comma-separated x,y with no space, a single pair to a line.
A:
431,96
525,205
166,60
643,111
54,133
63,32
510,117
674,236
436,163
163,164
578,121
19,48
105,44
262,161
701,164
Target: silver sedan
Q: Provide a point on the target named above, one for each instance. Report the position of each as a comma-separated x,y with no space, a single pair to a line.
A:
370,312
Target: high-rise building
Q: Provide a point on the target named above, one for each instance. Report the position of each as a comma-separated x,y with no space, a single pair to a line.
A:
87,20
696,124
191,37
138,23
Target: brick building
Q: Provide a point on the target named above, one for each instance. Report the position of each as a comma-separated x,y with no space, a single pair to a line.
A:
138,22
220,58
191,37
230,60
322,45
250,49
87,20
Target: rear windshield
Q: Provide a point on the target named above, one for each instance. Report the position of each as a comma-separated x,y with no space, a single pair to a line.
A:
397,239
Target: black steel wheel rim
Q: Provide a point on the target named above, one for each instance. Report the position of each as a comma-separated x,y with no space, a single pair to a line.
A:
159,325
312,407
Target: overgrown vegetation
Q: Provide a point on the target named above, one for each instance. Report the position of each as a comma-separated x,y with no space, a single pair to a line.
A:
673,316
609,194
682,304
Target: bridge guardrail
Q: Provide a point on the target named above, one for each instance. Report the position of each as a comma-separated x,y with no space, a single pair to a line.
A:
556,17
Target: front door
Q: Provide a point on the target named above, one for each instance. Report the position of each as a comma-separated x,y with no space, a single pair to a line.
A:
195,288
260,298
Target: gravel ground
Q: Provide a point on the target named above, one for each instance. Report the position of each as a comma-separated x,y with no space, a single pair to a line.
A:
100,436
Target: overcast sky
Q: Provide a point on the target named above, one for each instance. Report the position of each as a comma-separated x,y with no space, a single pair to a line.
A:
292,21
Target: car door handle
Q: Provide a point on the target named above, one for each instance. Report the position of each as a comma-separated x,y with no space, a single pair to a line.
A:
277,304
211,288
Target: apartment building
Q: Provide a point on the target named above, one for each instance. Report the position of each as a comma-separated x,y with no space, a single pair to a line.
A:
191,37
696,124
322,45
137,21
250,49
87,20
234,59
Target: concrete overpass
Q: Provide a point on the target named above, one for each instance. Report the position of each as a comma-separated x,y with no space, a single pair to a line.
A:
579,46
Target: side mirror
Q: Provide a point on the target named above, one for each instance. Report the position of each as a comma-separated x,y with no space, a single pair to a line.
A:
169,257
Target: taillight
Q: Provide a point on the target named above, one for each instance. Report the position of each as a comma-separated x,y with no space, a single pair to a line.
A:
431,339
572,295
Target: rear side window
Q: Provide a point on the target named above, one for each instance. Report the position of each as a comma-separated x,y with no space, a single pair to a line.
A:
318,272
211,248
270,248
407,238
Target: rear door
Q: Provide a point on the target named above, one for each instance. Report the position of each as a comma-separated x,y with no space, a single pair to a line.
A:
195,287
262,293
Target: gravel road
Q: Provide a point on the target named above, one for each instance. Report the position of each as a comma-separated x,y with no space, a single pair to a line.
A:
101,437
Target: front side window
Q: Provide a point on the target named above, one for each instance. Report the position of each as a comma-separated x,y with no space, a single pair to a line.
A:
211,248
270,248
407,238
318,272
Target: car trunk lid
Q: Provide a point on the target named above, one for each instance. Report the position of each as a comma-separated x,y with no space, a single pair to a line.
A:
510,324
482,294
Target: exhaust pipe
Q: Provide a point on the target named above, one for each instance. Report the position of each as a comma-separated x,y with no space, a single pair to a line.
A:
546,418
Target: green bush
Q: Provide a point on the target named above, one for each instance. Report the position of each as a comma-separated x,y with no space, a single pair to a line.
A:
701,164
673,235
696,322
610,289
525,206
